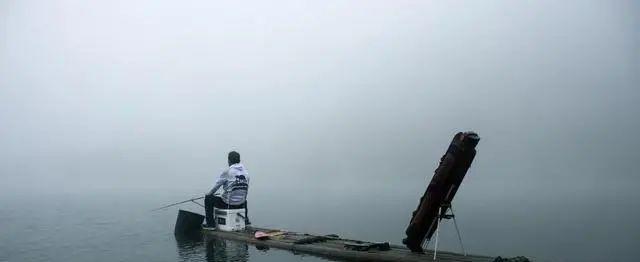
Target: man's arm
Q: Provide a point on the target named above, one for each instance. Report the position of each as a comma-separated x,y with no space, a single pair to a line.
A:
219,183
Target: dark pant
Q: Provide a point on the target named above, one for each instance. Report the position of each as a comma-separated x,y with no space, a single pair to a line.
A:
211,201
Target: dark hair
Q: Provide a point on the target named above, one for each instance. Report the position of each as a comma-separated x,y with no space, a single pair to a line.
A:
234,157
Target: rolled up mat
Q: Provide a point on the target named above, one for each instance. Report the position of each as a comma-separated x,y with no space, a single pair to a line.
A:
442,188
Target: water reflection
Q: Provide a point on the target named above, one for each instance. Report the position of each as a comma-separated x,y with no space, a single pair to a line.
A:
192,248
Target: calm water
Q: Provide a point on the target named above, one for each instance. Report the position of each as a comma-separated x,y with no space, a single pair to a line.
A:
68,227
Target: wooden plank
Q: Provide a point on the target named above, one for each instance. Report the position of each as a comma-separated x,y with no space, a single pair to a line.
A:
335,248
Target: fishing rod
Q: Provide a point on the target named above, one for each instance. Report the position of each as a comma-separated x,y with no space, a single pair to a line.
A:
182,202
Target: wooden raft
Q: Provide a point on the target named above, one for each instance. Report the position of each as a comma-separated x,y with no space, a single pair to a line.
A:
334,247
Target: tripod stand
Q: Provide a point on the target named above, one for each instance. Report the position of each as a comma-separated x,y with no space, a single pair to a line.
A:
444,215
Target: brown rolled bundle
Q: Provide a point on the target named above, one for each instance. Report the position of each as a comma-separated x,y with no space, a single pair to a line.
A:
442,188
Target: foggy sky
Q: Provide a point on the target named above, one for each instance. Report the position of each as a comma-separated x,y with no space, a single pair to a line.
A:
150,95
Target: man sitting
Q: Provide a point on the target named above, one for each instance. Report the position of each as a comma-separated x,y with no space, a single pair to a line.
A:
235,184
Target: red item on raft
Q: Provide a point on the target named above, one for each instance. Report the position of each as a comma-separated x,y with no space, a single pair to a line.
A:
261,235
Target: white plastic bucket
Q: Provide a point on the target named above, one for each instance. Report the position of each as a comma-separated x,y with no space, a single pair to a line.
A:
229,219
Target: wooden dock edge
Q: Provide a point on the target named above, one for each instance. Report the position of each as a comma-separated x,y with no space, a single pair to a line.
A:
351,255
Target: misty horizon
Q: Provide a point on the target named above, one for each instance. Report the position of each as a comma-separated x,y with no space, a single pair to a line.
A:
354,99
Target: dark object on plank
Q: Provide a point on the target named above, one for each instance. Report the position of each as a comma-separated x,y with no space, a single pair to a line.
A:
441,190
315,239
381,246
512,259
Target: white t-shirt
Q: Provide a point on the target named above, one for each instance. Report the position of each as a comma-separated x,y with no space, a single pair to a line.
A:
235,184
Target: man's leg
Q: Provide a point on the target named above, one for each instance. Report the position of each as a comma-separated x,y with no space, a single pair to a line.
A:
218,203
208,210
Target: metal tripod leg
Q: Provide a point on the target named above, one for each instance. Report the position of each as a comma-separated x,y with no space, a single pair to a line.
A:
453,216
425,244
435,249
